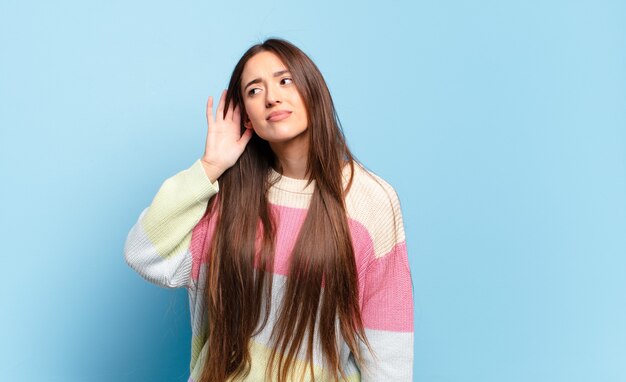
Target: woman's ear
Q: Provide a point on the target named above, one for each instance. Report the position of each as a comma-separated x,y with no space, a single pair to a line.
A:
247,124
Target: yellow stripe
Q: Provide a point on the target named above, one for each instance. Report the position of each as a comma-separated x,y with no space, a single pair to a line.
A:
260,357
176,209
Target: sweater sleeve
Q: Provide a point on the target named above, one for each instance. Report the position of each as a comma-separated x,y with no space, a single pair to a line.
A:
158,245
387,301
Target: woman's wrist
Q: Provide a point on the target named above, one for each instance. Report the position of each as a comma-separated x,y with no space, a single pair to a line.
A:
212,171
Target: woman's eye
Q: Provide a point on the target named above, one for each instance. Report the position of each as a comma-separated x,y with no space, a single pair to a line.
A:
251,91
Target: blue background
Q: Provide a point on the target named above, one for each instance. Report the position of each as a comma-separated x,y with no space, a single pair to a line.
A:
502,126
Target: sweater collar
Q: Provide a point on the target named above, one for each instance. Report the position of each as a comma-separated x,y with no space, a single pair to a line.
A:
285,183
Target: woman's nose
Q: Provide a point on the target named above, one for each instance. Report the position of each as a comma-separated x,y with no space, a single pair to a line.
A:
271,96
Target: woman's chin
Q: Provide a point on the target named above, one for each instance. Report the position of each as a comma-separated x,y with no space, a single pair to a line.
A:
282,137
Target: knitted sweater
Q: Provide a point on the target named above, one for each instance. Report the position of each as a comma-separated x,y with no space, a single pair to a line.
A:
165,247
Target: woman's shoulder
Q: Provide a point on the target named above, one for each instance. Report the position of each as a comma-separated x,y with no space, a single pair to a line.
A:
373,206
368,187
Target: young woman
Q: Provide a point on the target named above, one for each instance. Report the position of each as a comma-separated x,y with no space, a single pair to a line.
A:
295,262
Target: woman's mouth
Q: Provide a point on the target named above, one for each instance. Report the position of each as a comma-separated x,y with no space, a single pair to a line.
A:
278,116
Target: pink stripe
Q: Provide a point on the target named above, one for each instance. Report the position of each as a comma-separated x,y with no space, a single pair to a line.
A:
200,243
291,219
386,291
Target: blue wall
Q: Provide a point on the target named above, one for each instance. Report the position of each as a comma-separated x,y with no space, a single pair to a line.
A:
502,126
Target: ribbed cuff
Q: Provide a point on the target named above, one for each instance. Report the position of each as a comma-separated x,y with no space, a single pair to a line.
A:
200,182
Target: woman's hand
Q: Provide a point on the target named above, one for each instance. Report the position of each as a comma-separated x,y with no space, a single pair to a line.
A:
224,143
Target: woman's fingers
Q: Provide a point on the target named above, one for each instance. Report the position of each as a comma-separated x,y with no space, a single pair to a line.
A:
209,111
231,113
229,122
220,106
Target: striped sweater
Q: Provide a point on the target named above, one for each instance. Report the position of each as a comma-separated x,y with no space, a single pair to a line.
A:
165,247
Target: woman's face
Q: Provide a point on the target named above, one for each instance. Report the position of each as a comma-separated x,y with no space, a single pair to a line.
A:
267,87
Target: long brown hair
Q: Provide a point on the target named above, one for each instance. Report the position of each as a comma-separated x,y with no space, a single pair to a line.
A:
239,279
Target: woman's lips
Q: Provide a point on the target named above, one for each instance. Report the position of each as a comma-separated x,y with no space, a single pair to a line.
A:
279,116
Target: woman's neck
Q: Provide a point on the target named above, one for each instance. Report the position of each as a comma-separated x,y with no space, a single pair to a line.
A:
292,156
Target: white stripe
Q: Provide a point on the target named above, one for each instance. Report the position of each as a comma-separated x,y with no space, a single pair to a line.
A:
170,272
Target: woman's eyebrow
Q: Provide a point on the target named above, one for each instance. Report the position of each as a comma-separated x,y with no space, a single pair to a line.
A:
257,80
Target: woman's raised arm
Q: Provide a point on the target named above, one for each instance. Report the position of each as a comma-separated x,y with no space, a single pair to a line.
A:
158,246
